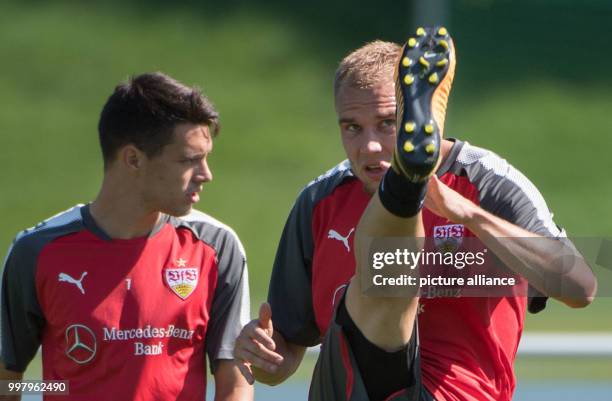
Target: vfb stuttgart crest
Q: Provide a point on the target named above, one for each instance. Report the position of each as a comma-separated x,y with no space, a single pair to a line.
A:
182,280
448,238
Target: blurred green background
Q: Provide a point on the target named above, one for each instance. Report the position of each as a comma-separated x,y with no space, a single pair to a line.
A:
533,83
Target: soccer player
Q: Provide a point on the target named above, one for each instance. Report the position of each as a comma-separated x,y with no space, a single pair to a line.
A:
376,348
128,294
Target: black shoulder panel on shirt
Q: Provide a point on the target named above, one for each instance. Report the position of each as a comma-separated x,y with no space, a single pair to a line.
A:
506,192
290,292
325,184
22,318
230,307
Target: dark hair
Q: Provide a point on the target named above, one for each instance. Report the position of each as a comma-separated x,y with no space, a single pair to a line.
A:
145,110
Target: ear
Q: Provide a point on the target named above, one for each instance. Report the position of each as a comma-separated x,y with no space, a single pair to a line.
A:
131,157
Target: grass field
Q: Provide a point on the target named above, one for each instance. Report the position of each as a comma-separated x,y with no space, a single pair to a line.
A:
517,91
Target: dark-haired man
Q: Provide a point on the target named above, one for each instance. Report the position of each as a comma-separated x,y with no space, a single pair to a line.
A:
129,293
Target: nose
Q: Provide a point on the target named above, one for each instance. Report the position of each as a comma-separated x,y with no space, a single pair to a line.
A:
203,173
371,143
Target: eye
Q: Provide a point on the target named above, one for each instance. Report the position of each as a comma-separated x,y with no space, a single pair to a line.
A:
351,129
192,160
388,123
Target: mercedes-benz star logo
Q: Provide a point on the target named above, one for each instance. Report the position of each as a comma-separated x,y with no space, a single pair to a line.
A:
81,345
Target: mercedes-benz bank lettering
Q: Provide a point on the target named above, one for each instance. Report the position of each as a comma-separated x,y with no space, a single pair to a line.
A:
140,348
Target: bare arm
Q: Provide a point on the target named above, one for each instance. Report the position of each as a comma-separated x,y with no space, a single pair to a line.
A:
534,257
263,354
229,383
568,279
6,374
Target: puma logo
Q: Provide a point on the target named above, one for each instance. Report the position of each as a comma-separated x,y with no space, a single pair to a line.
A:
66,278
333,234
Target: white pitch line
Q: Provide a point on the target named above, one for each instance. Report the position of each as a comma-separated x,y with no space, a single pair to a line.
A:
566,344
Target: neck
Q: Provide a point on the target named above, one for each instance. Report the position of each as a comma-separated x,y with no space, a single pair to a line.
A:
120,213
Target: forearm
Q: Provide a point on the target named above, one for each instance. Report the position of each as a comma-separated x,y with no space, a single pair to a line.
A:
16,397
552,266
292,357
230,385
236,393
10,397
6,374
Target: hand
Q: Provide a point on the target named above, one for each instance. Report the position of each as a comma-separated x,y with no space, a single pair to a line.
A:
447,203
255,346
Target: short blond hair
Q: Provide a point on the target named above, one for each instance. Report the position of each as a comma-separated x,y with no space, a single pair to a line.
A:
367,66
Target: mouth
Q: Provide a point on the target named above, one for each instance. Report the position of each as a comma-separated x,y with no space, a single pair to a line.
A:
376,170
194,196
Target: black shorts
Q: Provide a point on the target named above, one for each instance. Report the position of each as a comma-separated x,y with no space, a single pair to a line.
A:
337,376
